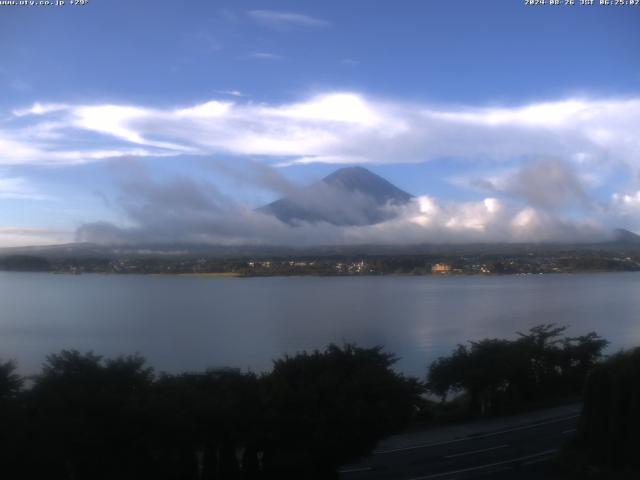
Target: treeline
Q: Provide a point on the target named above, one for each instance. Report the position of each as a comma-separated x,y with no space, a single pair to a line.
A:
494,376
87,417
24,263
362,264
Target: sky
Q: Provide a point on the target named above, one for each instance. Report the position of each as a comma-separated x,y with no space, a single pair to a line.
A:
159,121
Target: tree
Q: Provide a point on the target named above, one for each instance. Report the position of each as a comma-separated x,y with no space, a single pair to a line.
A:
486,370
498,374
89,416
24,263
11,417
581,355
207,425
10,382
446,374
608,430
328,407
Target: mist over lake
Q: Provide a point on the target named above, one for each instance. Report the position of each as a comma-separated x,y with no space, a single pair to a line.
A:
192,323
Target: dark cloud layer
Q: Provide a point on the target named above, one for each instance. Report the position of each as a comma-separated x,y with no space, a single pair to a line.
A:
182,209
546,184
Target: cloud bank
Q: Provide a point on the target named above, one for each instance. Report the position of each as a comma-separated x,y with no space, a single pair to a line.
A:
549,184
342,127
548,155
185,210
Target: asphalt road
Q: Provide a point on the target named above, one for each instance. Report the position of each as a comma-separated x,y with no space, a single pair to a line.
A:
521,450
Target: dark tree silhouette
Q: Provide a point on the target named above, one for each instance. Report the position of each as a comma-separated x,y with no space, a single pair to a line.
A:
329,407
89,416
11,417
581,355
607,436
10,382
499,375
207,425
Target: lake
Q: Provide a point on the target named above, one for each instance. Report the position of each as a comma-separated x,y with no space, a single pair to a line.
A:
191,323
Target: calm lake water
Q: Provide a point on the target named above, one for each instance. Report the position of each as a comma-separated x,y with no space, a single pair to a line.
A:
190,323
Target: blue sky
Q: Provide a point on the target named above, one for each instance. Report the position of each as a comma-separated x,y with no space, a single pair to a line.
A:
507,121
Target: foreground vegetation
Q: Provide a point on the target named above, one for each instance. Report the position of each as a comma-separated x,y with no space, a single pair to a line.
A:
606,445
496,376
87,417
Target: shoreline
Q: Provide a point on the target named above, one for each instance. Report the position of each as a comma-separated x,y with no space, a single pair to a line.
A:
279,275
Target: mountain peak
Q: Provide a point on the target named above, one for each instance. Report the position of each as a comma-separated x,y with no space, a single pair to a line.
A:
348,196
360,179
350,171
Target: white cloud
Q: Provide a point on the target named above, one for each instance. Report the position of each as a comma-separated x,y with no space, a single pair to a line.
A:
580,129
110,119
265,56
285,20
425,220
12,236
19,188
31,150
15,152
339,107
624,208
233,93
547,115
627,202
335,127
213,109
40,109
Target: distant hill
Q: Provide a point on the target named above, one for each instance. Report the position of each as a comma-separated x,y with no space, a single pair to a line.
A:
621,235
620,243
348,196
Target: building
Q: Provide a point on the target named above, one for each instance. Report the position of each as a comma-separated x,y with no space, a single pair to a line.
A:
441,268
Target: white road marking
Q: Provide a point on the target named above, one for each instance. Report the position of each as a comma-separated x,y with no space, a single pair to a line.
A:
488,465
466,439
571,430
537,460
475,451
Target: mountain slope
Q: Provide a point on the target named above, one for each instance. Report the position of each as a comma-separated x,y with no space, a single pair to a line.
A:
348,196
359,179
624,236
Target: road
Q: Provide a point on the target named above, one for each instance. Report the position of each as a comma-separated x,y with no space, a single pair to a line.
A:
513,447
